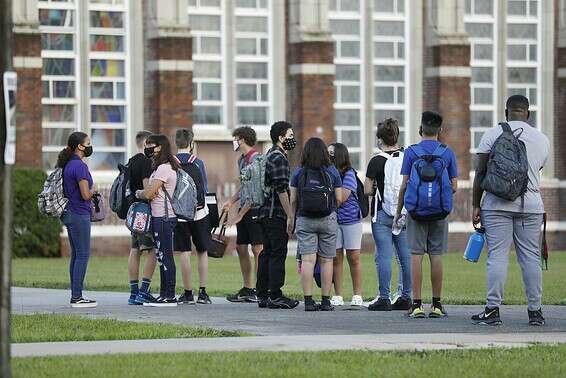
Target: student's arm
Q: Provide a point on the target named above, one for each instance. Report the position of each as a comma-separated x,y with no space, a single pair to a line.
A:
151,191
86,193
243,211
293,208
454,182
342,195
145,182
286,204
204,177
231,201
368,186
477,191
401,202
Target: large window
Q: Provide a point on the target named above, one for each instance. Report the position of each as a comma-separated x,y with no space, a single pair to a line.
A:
242,73
386,45
104,104
521,60
60,87
345,25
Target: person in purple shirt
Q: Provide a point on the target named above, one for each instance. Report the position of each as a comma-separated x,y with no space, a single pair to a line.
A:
77,186
349,232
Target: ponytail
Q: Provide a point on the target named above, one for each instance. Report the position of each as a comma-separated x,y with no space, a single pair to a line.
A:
66,153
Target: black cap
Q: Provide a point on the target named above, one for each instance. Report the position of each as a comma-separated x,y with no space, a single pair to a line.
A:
431,119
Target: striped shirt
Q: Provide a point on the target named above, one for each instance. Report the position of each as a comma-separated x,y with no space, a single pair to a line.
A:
349,212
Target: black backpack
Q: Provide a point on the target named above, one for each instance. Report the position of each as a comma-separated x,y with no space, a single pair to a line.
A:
507,174
316,193
121,196
363,199
189,166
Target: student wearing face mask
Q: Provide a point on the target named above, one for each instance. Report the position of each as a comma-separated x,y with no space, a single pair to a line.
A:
276,220
247,219
163,219
77,186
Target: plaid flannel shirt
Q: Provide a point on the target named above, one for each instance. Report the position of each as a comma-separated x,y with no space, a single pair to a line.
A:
277,173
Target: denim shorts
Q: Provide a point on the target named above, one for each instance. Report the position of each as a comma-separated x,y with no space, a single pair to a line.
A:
349,236
317,235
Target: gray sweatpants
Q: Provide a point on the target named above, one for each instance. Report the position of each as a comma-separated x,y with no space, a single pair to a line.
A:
524,230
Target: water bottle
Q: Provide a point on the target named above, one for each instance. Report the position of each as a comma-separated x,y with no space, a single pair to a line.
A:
396,228
475,245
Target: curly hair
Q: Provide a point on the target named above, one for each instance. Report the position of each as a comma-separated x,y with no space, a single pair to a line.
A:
247,134
388,131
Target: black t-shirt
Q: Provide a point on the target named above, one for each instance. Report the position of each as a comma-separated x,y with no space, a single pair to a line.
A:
140,168
376,172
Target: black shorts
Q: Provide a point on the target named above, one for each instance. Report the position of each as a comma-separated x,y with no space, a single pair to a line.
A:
198,231
249,229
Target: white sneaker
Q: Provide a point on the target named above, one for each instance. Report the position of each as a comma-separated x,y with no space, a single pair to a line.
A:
337,301
395,297
357,300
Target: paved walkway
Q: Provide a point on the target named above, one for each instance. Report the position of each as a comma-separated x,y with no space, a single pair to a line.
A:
288,330
311,343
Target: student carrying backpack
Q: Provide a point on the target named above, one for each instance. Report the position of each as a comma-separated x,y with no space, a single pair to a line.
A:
315,195
429,189
52,201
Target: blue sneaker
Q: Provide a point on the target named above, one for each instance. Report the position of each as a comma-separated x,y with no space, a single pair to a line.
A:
132,300
144,297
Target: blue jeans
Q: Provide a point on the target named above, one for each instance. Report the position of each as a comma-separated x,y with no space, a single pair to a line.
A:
384,241
78,230
163,232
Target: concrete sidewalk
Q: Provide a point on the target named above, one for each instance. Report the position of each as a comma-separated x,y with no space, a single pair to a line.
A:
311,343
249,318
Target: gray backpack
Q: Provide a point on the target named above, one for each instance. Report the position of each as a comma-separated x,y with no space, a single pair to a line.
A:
52,201
507,173
252,181
184,201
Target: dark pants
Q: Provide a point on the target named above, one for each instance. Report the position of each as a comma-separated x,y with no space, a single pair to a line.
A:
271,262
78,229
163,232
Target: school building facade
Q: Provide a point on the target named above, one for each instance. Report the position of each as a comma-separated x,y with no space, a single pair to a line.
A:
333,68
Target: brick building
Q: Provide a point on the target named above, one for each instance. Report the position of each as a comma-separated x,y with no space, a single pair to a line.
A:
331,67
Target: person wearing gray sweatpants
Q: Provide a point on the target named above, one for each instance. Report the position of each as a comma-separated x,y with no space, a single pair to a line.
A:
517,222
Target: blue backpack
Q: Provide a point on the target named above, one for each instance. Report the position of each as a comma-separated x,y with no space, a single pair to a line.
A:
138,219
429,189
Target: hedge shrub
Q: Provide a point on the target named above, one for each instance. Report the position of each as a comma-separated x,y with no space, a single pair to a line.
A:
35,235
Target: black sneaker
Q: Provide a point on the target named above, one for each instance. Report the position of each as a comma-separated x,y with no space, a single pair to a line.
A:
402,303
203,298
243,295
83,303
163,302
326,306
382,304
536,318
186,299
282,302
262,302
313,306
490,316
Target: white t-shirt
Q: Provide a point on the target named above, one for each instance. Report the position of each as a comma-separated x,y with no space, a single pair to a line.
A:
538,148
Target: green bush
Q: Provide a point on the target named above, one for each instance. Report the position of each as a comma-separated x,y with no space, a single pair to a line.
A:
34,234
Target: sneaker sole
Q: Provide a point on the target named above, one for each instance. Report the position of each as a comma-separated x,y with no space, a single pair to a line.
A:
236,300
203,302
84,305
134,303
380,309
436,316
186,303
161,304
418,316
537,324
491,323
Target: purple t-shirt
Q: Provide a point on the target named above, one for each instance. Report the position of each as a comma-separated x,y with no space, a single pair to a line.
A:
349,212
429,146
75,171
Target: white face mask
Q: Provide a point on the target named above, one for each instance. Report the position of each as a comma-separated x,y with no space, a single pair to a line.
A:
235,145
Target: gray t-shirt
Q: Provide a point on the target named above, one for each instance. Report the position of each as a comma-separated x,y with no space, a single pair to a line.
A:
538,148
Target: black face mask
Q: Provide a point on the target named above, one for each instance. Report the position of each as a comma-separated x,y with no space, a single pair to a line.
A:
149,152
289,143
333,160
87,151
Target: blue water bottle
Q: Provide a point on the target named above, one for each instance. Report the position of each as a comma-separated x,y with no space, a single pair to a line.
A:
475,245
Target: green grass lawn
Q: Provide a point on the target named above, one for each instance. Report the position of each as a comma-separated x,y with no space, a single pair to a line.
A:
464,282
536,361
52,327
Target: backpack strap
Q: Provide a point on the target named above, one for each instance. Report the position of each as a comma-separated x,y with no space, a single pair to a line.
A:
192,158
418,150
252,156
506,128
440,150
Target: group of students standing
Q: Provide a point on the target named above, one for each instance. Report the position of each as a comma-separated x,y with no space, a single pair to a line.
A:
320,202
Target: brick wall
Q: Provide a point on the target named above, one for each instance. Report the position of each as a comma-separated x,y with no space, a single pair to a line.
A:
28,102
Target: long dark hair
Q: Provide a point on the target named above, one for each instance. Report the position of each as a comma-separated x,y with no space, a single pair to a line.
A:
76,138
315,154
341,157
164,155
